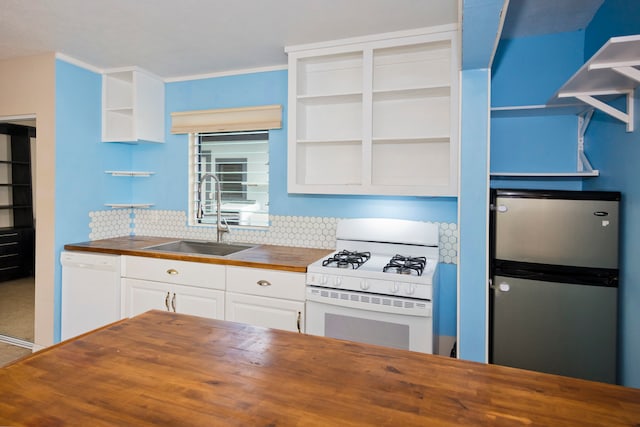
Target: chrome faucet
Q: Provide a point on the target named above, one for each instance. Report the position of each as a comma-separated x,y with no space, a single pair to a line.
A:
220,227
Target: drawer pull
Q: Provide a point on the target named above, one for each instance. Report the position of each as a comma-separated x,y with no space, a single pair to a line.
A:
263,283
172,271
166,301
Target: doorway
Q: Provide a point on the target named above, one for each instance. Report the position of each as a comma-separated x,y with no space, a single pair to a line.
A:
17,237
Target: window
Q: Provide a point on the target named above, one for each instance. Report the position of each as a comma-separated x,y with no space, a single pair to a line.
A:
240,163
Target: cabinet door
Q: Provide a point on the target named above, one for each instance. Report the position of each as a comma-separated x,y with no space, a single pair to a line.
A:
143,295
197,301
267,312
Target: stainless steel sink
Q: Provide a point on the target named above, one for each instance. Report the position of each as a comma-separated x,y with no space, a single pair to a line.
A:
199,247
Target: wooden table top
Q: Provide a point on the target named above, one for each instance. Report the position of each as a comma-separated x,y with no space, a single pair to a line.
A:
163,368
272,257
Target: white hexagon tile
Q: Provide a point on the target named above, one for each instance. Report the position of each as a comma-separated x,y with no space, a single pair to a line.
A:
300,231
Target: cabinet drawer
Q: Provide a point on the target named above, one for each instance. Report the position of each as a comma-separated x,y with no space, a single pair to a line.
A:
268,283
172,271
266,312
11,236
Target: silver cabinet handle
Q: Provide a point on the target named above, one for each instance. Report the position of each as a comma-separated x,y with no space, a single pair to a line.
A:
172,272
173,302
298,321
166,301
263,283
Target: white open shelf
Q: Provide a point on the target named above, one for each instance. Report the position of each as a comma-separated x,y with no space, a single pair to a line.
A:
128,205
608,74
130,173
375,115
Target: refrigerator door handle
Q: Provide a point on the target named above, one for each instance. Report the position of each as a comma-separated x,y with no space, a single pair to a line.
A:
499,208
502,287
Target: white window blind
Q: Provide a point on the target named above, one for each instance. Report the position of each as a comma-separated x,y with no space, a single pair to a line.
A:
240,161
227,119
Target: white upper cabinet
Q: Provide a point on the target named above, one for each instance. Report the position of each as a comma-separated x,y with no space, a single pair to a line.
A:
132,106
375,115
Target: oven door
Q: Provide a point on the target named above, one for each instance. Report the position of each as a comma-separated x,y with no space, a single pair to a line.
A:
382,323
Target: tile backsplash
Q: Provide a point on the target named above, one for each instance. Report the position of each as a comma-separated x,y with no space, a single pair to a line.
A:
302,231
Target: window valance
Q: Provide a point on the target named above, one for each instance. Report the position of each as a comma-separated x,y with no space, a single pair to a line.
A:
227,119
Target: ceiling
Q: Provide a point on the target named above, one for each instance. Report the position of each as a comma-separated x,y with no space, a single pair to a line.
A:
537,17
175,38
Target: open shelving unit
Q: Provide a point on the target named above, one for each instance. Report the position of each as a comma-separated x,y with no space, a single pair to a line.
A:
17,233
376,115
132,106
132,174
609,74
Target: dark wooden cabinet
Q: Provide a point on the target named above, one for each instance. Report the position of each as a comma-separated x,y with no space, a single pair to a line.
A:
17,235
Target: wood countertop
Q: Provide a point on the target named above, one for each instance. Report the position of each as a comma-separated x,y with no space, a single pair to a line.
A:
261,256
164,368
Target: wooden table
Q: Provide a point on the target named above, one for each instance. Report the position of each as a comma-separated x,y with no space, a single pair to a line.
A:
169,369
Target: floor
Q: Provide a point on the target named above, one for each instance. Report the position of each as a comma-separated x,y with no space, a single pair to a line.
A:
16,318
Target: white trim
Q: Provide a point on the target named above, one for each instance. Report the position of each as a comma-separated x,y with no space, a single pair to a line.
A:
77,62
19,117
6,339
374,37
487,230
226,73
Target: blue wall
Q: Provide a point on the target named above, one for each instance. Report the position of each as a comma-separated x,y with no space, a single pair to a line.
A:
81,185
474,200
168,187
615,152
528,71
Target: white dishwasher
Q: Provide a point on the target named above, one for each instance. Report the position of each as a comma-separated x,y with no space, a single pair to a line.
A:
90,292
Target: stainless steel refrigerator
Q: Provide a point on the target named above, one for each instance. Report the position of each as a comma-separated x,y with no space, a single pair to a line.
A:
554,281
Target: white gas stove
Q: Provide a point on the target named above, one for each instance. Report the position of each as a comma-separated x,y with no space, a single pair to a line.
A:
381,272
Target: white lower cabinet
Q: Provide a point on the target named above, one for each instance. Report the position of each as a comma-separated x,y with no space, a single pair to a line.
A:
144,295
268,298
177,286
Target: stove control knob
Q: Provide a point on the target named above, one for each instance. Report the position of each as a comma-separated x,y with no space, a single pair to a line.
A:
364,285
324,280
411,288
395,288
337,281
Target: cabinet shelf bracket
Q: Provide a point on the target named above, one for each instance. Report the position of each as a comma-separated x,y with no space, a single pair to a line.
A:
591,100
584,165
631,72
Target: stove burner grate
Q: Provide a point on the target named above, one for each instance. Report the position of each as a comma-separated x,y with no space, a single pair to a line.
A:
346,259
406,265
